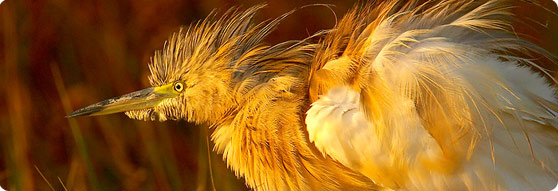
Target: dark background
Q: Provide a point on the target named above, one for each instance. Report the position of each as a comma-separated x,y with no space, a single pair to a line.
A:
61,55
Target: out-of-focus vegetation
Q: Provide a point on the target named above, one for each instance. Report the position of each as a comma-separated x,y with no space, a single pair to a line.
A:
60,55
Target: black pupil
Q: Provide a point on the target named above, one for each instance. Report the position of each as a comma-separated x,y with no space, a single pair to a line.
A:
178,87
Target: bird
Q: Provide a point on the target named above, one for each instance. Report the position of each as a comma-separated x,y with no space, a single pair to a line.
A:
398,95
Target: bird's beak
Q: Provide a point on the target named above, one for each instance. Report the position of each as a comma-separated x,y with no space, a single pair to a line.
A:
142,99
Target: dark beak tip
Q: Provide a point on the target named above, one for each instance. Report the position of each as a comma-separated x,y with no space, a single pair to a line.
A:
70,115
73,114
83,112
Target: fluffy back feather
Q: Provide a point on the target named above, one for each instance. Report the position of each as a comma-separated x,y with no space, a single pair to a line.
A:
459,64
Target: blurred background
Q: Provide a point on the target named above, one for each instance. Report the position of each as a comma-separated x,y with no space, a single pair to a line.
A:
60,55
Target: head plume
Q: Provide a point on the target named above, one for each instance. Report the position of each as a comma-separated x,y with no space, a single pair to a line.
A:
211,45
217,59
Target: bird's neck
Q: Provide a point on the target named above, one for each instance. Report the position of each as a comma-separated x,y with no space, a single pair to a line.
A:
265,141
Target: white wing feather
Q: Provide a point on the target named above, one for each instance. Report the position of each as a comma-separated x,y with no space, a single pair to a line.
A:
497,127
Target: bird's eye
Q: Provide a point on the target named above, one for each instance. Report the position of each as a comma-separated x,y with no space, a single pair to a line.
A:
178,86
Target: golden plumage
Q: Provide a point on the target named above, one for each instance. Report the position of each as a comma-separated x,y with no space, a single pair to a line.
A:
398,95
254,97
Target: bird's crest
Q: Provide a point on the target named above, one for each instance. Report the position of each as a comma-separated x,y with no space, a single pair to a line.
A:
228,42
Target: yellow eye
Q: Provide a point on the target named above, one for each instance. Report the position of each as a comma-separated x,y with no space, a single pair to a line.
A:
178,86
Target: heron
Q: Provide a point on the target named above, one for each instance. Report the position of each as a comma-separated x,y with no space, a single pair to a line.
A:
398,95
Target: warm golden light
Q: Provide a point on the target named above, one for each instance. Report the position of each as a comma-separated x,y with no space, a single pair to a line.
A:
389,95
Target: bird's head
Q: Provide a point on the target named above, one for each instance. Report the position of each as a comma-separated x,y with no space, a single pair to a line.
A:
195,75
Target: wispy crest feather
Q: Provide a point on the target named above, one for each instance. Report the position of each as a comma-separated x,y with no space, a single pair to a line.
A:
226,43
